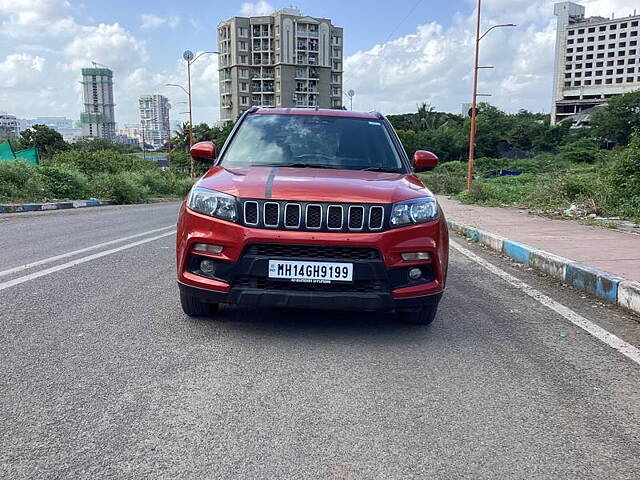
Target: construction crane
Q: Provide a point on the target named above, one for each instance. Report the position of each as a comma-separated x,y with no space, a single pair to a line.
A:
96,64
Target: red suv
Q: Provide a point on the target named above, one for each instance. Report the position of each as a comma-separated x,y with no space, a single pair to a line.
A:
315,209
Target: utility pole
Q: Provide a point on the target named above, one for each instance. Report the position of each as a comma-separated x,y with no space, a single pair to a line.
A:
144,149
474,106
475,94
190,58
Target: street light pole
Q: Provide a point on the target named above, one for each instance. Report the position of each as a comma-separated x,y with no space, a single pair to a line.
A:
474,105
192,163
475,95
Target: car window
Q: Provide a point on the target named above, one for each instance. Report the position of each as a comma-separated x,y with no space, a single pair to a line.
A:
309,140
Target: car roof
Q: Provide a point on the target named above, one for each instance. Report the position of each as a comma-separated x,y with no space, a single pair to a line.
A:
323,112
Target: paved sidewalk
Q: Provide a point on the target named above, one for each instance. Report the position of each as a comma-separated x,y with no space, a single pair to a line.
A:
610,250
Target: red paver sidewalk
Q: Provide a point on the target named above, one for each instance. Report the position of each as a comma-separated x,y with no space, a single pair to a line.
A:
598,247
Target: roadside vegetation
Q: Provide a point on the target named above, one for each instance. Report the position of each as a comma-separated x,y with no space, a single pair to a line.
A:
98,168
590,171
523,161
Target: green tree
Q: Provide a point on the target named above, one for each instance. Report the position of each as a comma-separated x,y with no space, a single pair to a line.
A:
96,144
617,121
47,140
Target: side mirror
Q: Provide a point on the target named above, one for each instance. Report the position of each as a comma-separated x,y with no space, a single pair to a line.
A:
424,161
203,152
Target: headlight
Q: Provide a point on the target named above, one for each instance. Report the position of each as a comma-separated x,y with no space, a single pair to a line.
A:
420,210
214,204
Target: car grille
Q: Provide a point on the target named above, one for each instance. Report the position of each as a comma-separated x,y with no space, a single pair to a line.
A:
359,286
275,250
308,216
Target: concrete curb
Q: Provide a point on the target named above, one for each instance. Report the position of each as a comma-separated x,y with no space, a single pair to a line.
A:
40,207
602,284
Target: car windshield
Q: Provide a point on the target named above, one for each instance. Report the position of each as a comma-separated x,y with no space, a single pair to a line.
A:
313,141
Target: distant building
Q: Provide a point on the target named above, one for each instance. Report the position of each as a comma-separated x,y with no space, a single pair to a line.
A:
71,134
52,122
98,118
279,60
596,58
154,120
9,125
128,134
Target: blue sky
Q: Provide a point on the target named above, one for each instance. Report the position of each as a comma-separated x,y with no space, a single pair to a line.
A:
365,22
392,61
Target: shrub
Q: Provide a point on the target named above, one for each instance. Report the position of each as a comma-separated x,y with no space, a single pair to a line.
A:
581,151
444,182
101,161
624,170
119,187
64,182
182,186
157,182
20,181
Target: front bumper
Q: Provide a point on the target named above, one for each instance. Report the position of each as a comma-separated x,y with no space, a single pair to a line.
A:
380,281
316,300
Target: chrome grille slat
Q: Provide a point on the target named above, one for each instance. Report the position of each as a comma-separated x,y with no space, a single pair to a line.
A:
251,211
295,215
332,217
356,217
310,212
376,217
292,214
269,215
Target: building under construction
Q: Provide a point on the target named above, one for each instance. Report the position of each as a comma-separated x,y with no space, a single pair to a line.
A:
98,117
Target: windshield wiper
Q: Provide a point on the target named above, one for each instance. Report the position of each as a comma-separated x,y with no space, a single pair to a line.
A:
300,165
381,169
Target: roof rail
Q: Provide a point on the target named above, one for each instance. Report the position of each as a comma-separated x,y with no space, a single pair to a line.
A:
252,109
376,113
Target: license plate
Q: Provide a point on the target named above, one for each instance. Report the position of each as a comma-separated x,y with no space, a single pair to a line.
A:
311,272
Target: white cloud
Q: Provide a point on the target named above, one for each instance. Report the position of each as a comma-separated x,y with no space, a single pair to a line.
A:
261,7
43,45
150,21
36,18
21,70
110,45
435,63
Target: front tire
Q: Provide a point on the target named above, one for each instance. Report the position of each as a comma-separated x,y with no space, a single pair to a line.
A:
196,308
424,316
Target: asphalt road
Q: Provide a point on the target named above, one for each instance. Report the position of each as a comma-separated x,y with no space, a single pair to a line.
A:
103,376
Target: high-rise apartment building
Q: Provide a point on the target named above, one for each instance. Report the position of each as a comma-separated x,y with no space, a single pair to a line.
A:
9,126
279,60
596,58
154,119
98,118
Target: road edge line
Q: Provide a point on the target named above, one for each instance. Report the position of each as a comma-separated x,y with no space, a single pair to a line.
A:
605,285
79,261
44,261
608,338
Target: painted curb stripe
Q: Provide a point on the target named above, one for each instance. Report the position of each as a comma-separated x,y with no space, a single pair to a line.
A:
39,207
603,284
596,331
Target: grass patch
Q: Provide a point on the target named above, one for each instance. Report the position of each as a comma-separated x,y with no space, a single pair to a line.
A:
549,184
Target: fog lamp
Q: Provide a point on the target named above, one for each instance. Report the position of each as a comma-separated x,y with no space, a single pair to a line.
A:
207,248
207,266
415,256
415,273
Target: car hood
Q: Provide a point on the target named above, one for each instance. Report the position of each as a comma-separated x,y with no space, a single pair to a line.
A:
313,184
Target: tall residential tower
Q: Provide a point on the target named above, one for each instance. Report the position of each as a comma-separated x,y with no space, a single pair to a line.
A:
98,118
154,120
279,60
596,58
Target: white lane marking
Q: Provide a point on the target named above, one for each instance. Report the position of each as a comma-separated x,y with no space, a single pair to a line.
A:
44,261
73,263
600,333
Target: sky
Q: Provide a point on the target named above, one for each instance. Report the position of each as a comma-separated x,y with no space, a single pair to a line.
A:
397,54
